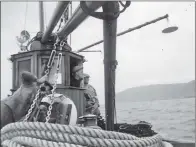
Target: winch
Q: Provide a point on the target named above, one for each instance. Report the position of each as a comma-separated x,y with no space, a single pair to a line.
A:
90,121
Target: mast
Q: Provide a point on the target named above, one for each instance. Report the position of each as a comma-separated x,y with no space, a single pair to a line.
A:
109,35
41,16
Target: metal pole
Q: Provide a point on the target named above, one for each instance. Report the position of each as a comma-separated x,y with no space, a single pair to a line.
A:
60,8
109,35
126,31
78,17
41,16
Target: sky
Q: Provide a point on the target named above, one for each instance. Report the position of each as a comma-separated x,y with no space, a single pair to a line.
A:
145,56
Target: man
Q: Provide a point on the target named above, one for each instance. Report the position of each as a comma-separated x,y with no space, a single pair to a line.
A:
77,76
92,102
15,107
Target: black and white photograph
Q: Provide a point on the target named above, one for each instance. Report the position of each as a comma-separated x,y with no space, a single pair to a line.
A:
97,73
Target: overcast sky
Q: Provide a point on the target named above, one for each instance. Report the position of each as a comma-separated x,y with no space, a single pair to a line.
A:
145,56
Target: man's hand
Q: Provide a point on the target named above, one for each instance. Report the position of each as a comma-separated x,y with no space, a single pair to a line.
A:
42,79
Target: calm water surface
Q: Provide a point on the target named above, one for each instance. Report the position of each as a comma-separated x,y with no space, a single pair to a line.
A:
173,119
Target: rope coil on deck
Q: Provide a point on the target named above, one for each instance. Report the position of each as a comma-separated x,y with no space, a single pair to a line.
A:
39,134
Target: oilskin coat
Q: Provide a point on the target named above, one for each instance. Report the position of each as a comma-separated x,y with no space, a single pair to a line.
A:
15,107
92,102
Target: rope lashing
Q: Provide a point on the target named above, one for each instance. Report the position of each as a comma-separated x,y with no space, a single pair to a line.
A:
46,134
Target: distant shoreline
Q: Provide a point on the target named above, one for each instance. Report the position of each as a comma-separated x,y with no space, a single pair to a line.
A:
157,92
193,97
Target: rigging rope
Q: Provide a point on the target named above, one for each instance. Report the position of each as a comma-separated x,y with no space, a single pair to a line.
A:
55,135
71,12
25,15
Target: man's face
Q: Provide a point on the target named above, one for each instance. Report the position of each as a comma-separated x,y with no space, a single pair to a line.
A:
86,80
79,75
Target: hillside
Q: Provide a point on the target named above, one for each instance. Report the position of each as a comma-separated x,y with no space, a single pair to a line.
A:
157,92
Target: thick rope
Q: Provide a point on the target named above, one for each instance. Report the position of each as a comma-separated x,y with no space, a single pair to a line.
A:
55,135
10,143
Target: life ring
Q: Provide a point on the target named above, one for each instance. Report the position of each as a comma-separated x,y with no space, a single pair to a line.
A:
59,113
167,144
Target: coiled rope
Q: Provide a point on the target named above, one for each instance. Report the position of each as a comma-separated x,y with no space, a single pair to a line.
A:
21,134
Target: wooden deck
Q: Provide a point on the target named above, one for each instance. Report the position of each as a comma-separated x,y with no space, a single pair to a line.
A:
181,143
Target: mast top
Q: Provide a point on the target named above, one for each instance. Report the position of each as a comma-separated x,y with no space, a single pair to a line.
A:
41,16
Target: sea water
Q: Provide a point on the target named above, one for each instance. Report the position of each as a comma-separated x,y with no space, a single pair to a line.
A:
173,119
